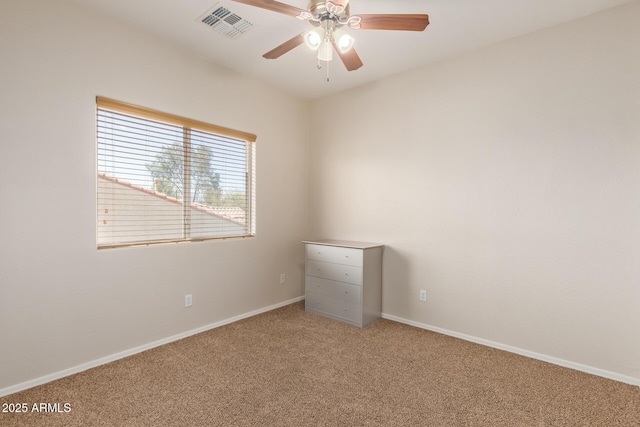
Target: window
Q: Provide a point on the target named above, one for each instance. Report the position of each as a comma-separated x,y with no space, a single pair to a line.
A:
164,178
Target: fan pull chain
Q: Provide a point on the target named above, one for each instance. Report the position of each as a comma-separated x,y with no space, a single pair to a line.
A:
320,68
327,72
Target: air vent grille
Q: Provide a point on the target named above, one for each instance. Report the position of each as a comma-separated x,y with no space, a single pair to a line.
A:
225,22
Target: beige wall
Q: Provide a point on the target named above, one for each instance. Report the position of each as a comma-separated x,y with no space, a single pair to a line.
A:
64,303
506,183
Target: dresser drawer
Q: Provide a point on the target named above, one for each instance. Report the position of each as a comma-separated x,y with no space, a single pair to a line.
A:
333,307
335,254
339,272
338,290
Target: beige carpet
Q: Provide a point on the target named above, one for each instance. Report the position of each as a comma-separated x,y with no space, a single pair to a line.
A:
291,368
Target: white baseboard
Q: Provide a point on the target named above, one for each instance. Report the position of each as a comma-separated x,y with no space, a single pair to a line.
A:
121,355
554,360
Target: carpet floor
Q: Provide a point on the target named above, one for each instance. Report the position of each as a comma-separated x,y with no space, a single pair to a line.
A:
291,368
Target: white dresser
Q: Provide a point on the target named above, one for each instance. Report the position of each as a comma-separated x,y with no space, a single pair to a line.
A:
343,280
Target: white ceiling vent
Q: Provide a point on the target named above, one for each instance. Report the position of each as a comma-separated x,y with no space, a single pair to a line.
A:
225,22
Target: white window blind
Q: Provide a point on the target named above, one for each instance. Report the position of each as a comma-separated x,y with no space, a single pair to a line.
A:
163,178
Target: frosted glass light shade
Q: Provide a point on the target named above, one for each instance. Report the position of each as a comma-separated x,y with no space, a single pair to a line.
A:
325,52
344,41
313,38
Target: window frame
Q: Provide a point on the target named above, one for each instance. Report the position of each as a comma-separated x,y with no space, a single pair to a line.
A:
188,125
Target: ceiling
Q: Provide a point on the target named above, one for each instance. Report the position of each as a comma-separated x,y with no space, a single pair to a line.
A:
457,26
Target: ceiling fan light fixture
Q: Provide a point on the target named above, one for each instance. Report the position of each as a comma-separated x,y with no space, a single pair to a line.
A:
344,41
313,38
328,16
325,52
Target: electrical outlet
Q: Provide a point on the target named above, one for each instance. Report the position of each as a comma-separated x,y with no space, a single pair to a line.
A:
188,300
423,295
283,279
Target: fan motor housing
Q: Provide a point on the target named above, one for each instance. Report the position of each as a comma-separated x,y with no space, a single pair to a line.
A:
320,12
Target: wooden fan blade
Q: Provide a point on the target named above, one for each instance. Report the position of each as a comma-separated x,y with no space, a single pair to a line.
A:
410,22
285,47
273,6
350,59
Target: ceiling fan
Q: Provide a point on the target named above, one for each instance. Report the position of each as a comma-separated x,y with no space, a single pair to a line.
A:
328,17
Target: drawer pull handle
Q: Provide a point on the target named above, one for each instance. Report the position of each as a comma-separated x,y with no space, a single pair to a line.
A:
346,274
